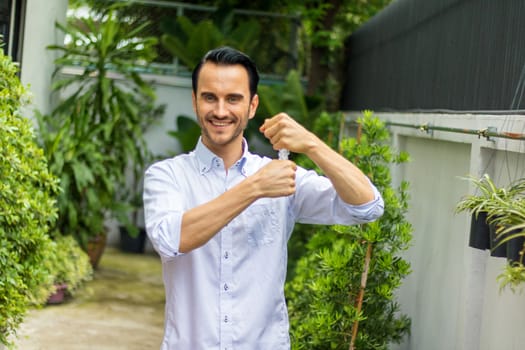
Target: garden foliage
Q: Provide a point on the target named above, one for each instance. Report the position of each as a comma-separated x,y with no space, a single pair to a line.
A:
325,285
70,264
94,139
27,206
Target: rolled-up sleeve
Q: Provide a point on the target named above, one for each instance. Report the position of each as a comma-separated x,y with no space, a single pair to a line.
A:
163,210
317,202
366,212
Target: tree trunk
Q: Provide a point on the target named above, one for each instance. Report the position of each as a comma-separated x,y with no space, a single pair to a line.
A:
320,51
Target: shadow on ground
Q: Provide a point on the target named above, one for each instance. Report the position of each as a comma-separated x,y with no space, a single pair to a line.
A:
121,308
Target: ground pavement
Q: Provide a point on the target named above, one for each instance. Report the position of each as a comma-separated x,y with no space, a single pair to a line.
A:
121,308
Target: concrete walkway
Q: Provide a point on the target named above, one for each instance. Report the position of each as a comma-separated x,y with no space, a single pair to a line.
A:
121,308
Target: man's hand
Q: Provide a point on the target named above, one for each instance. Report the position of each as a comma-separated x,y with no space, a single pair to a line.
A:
350,183
276,179
284,132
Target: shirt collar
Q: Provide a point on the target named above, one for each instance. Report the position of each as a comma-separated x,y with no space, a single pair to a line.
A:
207,160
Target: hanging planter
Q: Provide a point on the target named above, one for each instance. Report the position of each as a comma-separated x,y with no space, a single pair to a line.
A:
515,249
479,237
484,236
506,244
498,248
506,216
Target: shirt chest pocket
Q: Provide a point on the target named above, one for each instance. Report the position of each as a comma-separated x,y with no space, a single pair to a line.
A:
261,222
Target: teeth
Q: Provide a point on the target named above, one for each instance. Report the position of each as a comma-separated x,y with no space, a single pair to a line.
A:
220,124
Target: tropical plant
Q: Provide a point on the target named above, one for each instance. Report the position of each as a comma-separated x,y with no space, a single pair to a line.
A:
505,209
27,206
346,279
189,41
105,110
87,187
288,97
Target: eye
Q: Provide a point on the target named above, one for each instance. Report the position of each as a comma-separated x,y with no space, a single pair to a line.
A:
234,99
208,97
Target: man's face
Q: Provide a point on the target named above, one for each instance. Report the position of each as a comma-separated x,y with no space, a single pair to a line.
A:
222,104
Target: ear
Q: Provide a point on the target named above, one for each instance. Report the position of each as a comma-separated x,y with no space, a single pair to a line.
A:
254,103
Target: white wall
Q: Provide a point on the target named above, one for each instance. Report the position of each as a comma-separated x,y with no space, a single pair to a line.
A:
175,94
37,62
452,295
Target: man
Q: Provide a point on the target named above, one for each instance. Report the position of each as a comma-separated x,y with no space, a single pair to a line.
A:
220,217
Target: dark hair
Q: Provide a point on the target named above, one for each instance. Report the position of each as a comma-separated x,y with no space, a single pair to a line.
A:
228,56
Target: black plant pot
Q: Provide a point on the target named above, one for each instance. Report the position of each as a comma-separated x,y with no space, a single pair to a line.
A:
479,232
497,249
515,246
130,244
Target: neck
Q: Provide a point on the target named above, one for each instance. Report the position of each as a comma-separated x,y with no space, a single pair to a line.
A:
230,153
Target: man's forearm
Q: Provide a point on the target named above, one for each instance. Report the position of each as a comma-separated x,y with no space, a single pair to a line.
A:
349,181
201,223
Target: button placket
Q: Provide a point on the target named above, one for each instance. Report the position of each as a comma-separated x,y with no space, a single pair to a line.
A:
226,324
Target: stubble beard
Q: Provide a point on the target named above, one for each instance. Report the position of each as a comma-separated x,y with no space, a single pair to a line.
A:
215,140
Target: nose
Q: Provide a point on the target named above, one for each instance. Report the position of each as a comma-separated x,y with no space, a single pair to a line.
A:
221,110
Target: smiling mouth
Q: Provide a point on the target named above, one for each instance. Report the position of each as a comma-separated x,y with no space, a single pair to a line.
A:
220,123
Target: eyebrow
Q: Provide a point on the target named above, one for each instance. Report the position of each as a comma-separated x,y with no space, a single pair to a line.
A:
235,95
240,96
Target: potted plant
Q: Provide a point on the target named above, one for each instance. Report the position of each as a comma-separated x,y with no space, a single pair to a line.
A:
482,233
70,267
504,208
87,188
27,206
499,208
106,109
188,41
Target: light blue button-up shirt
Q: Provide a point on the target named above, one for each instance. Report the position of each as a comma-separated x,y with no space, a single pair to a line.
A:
229,293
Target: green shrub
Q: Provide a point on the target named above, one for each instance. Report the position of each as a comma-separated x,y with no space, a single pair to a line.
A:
69,266
27,206
326,282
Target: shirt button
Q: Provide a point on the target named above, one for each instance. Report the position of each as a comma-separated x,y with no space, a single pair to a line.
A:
226,255
225,286
226,319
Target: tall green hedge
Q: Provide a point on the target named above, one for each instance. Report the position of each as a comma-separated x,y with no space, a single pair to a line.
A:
27,206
